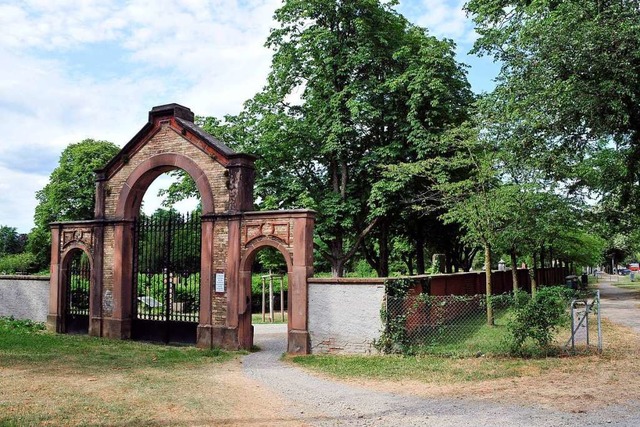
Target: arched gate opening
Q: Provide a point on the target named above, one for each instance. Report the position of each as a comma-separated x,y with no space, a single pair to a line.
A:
246,274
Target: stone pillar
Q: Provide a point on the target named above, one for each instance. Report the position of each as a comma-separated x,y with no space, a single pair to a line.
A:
119,325
54,318
203,339
241,180
100,202
239,332
298,339
95,304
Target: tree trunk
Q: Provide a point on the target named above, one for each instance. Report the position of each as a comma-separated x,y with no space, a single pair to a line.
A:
337,268
514,269
448,263
533,272
383,258
487,268
408,261
419,255
543,281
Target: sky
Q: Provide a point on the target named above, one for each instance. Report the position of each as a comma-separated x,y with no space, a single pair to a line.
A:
76,69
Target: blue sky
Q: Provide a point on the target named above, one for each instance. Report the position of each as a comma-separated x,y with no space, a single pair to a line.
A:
76,69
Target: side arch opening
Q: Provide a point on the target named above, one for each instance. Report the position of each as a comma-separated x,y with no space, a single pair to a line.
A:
76,291
266,264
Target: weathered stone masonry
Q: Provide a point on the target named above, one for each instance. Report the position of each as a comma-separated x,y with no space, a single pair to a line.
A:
231,235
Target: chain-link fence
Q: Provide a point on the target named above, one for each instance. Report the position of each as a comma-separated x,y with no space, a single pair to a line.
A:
456,324
422,322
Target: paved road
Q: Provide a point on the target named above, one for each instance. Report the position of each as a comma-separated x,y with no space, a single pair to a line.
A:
319,402
619,305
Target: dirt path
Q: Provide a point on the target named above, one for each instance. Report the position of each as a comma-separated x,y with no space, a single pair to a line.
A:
318,401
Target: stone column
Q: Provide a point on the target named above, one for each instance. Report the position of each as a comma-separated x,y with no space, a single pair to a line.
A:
95,305
298,339
239,332
206,274
119,325
54,318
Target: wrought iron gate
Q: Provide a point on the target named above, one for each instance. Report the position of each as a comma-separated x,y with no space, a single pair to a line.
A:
77,294
166,277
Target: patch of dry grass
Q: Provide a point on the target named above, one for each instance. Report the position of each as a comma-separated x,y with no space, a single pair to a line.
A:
61,380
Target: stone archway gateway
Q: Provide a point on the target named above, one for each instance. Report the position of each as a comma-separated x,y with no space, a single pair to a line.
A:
230,236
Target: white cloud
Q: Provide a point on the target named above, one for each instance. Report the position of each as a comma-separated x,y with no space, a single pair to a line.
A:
207,55
443,18
17,200
93,69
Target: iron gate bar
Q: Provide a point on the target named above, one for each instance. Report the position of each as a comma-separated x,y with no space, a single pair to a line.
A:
167,269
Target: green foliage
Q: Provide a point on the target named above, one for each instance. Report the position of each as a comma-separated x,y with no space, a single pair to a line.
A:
16,326
394,338
70,193
362,269
18,263
559,103
10,242
80,295
185,256
536,320
455,325
182,187
186,290
188,295
256,284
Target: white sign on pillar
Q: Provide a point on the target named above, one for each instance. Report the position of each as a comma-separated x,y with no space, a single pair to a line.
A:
219,282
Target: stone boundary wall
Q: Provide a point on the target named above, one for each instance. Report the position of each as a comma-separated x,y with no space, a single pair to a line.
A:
24,297
344,314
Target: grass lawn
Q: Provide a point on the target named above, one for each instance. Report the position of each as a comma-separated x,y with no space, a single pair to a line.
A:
59,379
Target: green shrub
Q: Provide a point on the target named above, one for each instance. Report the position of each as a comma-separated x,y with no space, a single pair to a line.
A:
362,269
20,326
536,320
17,263
189,295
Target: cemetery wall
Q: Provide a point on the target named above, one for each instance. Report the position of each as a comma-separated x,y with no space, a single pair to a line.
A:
24,297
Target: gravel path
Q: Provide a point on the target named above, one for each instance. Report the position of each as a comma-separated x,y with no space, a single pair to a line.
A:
619,305
319,402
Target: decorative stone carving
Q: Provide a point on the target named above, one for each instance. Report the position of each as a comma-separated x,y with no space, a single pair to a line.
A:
280,230
82,235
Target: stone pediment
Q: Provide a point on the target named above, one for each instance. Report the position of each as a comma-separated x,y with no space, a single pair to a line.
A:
181,120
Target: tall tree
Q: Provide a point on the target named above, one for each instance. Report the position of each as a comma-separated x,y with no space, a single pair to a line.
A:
373,90
481,202
70,193
570,79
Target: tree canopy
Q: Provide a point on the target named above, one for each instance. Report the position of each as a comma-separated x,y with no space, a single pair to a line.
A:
70,193
570,79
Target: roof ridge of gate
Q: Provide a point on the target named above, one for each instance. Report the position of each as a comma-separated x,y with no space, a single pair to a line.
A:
180,116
